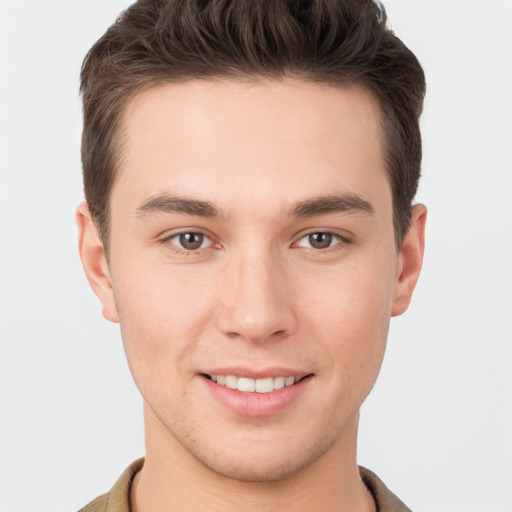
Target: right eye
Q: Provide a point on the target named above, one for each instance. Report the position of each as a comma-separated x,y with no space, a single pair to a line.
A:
319,240
190,241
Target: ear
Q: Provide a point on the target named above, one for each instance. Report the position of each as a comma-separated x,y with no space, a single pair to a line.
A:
94,261
410,260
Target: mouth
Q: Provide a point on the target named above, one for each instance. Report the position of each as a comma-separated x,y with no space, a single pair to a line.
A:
249,385
257,393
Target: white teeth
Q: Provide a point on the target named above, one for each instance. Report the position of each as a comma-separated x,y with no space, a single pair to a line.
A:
264,385
279,382
231,382
248,385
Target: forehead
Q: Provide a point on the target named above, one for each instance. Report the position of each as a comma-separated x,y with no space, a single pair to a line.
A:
274,139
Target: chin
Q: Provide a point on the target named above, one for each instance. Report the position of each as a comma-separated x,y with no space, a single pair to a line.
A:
263,463
247,471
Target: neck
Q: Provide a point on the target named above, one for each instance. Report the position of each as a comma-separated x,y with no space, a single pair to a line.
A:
173,479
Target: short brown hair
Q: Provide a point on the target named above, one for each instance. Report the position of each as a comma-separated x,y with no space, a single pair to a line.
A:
336,42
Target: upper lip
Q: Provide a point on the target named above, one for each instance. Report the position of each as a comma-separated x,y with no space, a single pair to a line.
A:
254,373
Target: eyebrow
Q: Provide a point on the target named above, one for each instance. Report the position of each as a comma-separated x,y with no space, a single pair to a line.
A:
322,205
338,203
173,204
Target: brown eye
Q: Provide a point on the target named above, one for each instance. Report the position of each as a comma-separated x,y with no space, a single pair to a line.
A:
320,240
191,241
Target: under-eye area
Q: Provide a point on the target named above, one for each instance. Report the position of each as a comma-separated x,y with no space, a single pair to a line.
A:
249,385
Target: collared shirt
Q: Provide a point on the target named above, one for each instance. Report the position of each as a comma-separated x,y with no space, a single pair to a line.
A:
118,499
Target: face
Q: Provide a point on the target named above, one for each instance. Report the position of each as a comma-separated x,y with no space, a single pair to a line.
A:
253,268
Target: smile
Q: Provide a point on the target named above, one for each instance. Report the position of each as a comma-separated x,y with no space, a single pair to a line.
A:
264,393
248,385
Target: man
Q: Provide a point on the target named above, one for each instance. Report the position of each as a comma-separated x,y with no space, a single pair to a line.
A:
249,171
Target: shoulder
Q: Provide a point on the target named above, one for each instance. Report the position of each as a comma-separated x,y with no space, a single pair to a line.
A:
386,501
100,504
118,499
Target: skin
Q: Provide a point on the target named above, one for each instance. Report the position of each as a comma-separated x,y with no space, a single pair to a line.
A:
257,293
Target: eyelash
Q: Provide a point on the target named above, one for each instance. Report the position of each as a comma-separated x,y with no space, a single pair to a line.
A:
342,242
188,252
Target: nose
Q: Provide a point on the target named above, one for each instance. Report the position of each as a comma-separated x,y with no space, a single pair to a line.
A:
257,303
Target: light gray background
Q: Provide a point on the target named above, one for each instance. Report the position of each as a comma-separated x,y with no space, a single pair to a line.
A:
438,426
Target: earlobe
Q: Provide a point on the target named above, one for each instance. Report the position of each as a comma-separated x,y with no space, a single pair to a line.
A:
411,260
94,261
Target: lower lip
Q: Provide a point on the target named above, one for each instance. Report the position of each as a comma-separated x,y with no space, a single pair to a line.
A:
257,404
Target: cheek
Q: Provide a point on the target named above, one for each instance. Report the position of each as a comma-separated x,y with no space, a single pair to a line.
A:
350,315
351,298
162,316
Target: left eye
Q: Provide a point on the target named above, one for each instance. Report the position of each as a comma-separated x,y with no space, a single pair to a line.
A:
319,240
190,241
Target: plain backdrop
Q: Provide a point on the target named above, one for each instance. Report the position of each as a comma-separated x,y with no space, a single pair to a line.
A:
437,427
